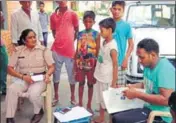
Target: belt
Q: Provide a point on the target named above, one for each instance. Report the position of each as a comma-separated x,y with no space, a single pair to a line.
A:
35,73
15,44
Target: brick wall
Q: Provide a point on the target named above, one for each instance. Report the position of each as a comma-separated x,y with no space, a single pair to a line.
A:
5,34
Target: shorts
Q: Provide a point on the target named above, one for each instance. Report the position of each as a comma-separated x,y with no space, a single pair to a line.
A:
81,75
100,87
59,60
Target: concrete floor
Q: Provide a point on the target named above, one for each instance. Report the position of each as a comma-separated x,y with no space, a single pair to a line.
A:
26,112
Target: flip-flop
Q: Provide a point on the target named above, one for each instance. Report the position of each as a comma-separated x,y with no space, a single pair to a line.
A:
98,122
55,102
74,103
94,120
91,111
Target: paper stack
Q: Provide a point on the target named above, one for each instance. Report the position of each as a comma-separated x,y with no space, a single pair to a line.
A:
116,102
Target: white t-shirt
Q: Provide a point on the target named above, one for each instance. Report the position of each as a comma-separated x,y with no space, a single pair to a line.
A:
104,67
21,21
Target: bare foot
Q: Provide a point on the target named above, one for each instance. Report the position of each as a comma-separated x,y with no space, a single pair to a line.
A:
73,102
55,102
89,109
80,104
99,120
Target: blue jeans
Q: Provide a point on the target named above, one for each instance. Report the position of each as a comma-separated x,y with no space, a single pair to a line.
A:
45,38
59,61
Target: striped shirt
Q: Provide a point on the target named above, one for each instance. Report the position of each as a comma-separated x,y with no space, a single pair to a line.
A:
43,17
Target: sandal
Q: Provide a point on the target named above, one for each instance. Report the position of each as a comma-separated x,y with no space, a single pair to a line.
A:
97,120
94,121
73,102
55,102
90,111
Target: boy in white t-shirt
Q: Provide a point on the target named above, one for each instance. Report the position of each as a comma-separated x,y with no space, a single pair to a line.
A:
107,64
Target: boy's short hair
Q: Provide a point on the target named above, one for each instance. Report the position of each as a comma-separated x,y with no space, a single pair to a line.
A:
121,3
41,3
108,23
172,101
89,14
149,45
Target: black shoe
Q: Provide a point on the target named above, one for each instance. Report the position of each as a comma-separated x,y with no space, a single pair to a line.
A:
10,120
37,117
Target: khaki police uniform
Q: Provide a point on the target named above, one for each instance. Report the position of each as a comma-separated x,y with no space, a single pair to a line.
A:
27,62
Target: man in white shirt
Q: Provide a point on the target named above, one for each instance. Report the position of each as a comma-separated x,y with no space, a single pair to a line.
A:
25,18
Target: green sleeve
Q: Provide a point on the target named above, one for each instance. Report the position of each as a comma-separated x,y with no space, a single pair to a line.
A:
166,77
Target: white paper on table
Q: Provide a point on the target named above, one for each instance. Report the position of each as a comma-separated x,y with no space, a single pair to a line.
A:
75,113
37,78
114,102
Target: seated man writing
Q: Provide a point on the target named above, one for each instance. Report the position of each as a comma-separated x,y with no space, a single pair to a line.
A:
172,105
159,83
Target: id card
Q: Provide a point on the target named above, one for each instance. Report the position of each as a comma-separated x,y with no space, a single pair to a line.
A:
37,78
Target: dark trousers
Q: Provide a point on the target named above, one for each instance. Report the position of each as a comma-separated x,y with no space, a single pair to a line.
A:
45,38
139,115
3,68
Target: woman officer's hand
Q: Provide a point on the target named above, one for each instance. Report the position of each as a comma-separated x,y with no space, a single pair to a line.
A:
47,79
28,79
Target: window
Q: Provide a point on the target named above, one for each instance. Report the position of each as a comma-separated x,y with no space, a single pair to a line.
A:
152,15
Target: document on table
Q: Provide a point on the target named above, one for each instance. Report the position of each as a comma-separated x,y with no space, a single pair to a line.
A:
116,102
75,113
37,78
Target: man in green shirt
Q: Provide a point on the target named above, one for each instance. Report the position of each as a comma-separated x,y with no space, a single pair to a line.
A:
159,83
172,105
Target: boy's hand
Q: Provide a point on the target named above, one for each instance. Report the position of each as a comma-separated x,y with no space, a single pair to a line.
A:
125,64
114,85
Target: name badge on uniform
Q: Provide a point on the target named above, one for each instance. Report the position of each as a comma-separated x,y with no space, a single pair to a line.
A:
21,57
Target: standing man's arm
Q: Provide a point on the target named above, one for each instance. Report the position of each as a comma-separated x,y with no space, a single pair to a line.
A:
129,49
97,44
54,33
14,34
14,28
75,22
76,32
52,25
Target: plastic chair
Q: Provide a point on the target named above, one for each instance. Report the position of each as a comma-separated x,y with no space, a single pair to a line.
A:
153,114
47,99
48,102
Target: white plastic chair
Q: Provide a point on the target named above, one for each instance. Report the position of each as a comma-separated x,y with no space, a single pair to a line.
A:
153,114
47,99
